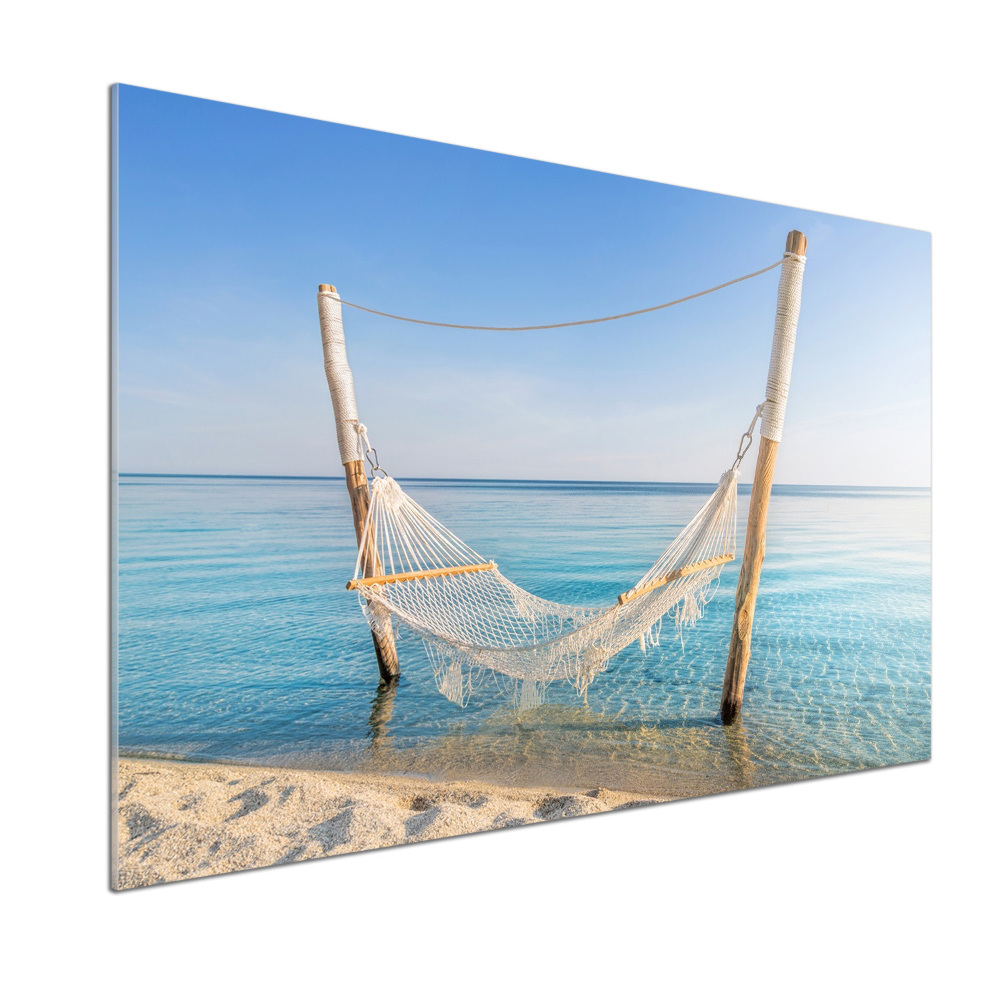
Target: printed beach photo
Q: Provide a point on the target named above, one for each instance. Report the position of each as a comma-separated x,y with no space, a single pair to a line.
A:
454,491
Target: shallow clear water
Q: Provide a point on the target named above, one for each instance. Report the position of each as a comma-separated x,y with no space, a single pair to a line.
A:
238,641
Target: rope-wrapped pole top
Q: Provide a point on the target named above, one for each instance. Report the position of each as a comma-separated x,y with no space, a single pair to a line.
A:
338,374
786,319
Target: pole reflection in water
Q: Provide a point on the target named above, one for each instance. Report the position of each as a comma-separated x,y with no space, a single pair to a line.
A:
380,742
739,754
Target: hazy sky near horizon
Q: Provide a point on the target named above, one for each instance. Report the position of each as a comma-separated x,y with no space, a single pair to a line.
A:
229,218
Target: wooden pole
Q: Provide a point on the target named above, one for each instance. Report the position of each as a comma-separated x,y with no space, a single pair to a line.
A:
763,477
345,409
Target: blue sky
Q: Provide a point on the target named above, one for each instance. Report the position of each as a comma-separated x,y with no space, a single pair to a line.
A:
229,218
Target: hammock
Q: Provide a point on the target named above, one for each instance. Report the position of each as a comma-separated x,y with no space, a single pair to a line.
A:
413,572
476,624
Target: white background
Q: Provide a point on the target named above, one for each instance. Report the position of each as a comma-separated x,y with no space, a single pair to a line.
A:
865,885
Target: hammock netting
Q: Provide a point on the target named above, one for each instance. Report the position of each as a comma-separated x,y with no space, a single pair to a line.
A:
477,625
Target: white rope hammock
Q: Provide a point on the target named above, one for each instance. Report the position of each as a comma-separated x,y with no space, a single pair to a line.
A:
476,624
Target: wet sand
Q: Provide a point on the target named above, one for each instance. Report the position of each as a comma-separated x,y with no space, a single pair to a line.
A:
179,820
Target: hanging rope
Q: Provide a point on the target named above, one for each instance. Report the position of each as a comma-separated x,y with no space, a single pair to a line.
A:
578,322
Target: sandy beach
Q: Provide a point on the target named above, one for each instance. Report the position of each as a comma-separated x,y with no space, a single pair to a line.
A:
179,820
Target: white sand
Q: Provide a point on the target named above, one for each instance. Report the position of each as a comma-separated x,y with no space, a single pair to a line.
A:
182,820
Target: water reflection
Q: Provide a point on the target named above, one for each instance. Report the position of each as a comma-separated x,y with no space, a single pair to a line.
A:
738,750
572,746
380,742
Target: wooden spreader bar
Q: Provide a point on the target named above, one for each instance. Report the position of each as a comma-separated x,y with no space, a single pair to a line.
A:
695,567
423,574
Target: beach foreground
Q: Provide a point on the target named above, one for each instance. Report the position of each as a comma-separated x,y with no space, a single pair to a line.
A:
179,820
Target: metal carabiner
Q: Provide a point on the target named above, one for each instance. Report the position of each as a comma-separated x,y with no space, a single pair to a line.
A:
742,448
371,456
747,439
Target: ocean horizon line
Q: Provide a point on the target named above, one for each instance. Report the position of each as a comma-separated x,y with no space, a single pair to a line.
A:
470,479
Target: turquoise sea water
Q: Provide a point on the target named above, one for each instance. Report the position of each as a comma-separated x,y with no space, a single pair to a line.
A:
238,641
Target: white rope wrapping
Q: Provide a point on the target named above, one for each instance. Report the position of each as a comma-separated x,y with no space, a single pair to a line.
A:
779,372
339,377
